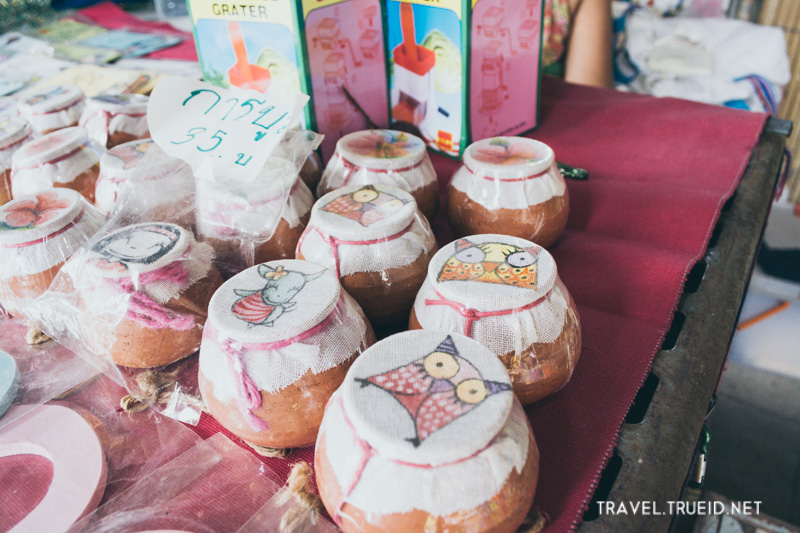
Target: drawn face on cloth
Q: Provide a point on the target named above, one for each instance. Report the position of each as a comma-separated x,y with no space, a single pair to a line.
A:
139,245
492,262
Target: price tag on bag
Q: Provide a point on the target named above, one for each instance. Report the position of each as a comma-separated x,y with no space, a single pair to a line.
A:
221,133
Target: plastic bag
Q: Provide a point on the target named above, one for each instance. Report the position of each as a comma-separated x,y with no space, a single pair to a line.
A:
39,373
115,119
96,450
509,185
63,158
261,220
378,244
133,301
214,486
138,181
38,234
14,132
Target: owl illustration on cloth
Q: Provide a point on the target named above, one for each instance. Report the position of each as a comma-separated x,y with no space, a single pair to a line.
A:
492,262
436,389
366,205
262,307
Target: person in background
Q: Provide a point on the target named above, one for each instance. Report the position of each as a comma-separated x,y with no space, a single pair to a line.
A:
577,41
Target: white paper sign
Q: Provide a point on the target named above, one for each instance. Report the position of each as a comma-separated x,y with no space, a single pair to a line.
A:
221,133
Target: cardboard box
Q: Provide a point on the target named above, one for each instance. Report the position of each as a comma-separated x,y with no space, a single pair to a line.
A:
464,70
314,46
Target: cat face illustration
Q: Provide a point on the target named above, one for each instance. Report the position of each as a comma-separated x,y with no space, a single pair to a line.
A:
492,262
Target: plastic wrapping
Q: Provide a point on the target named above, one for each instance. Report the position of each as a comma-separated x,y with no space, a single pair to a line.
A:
426,433
137,297
261,220
64,158
134,300
384,157
115,119
148,183
96,452
53,108
505,293
14,132
279,340
509,185
38,374
377,242
38,234
215,486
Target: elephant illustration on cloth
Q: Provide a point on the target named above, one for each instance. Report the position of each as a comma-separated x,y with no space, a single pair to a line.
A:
262,307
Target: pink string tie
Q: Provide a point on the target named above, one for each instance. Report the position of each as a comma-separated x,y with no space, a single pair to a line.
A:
368,452
352,168
334,243
473,315
248,395
144,310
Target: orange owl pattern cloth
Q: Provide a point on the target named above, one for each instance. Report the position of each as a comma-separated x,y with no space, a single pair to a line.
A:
492,262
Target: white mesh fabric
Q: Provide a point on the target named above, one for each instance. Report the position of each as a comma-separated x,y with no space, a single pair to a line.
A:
36,258
502,334
59,157
410,179
147,193
387,487
372,257
459,292
233,209
276,369
493,194
100,126
509,173
14,132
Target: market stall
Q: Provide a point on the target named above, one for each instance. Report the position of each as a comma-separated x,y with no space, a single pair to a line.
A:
657,253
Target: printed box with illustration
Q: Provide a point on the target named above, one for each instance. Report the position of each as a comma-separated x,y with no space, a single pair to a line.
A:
320,47
464,70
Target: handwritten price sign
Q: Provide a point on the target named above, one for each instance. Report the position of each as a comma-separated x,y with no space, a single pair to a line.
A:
221,133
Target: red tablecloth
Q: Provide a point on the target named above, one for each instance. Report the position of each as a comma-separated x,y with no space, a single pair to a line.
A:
660,171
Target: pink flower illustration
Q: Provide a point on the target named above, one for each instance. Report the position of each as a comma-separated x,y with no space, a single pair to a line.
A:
383,144
31,213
